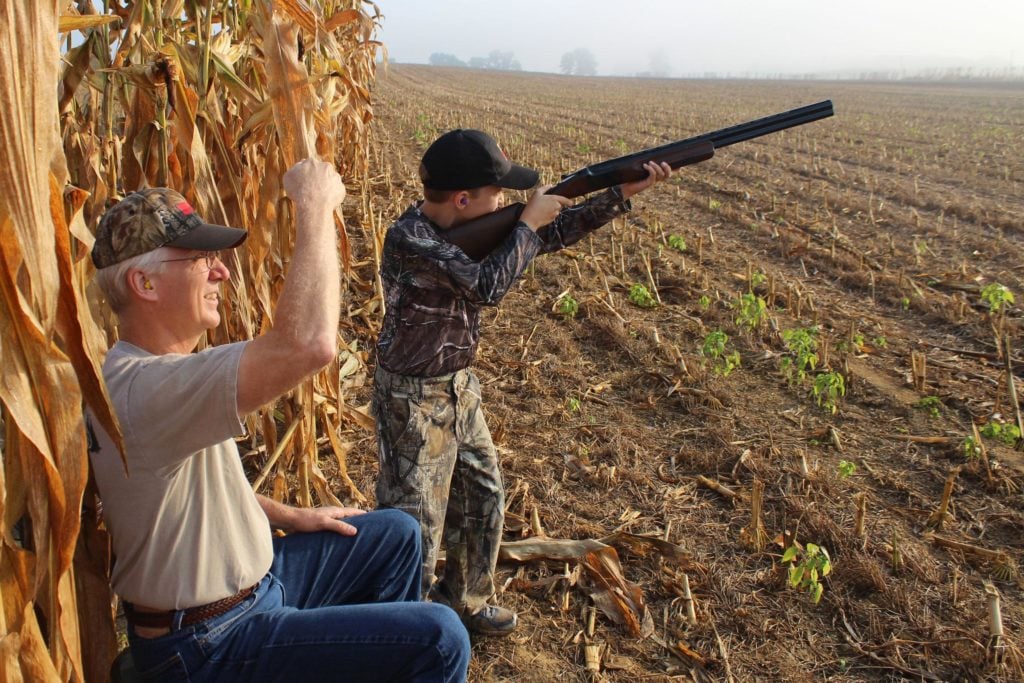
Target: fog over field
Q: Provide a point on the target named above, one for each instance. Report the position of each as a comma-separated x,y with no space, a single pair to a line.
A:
724,38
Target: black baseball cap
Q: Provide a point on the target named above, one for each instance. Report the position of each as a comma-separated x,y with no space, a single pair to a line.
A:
465,159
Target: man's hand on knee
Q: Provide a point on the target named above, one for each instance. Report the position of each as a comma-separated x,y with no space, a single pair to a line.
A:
305,520
326,519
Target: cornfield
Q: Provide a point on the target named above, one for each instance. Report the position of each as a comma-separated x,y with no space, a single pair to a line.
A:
215,98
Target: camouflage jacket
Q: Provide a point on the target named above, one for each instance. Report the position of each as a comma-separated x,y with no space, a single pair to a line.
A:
433,291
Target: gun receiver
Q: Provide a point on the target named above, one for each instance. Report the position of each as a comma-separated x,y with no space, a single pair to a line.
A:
480,236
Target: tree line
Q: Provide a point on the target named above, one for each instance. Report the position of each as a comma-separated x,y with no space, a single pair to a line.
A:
496,60
578,62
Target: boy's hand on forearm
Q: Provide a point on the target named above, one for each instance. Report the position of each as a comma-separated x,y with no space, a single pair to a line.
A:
543,208
655,174
314,184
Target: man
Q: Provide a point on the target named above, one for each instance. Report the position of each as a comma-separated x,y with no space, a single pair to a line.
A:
209,595
437,461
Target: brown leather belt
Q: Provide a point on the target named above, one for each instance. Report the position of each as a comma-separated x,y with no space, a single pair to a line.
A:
193,615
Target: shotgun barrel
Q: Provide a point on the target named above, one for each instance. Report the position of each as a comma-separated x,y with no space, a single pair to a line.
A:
480,236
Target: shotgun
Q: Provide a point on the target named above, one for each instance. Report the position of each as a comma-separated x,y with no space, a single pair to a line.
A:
480,236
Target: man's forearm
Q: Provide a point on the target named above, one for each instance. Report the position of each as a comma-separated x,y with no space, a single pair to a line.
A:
279,515
309,305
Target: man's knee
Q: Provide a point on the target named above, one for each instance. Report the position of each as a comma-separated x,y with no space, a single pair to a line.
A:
453,639
393,520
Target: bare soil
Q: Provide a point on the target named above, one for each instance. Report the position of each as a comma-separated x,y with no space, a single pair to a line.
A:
879,228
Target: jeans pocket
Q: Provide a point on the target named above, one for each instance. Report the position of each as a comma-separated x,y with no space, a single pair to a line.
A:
215,629
213,633
170,669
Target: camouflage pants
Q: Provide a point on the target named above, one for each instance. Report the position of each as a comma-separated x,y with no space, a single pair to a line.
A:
437,463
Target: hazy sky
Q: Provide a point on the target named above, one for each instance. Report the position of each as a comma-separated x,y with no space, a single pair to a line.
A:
696,36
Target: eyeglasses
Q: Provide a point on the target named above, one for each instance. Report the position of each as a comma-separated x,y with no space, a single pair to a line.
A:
211,258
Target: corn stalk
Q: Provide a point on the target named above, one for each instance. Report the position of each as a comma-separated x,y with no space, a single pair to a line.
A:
214,98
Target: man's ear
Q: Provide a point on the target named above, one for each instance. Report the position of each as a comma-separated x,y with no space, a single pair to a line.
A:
461,199
140,284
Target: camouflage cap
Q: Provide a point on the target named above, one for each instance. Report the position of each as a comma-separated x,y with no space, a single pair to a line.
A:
154,218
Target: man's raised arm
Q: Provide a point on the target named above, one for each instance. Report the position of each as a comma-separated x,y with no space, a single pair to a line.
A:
303,336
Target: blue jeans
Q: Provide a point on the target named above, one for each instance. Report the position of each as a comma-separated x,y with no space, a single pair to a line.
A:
332,608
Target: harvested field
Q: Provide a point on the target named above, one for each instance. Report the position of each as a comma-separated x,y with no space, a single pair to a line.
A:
876,235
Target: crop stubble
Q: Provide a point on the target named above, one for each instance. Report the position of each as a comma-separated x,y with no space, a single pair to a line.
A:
880,226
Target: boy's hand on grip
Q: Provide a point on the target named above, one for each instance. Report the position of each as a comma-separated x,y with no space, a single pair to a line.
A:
543,208
655,174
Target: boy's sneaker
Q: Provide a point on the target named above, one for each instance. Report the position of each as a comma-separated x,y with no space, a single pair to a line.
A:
491,620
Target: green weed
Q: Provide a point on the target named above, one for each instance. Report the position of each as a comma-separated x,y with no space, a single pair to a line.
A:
751,311
996,297
714,348
931,405
424,130
641,296
568,307
802,344
828,388
807,568
1006,433
677,242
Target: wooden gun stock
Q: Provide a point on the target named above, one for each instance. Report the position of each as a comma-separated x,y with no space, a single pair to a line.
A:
480,236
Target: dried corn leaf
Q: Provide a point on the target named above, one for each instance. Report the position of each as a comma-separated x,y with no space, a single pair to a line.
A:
342,18
78,331
641,545
288,82
29,138
359,416
341,454
300,12
322,487
620,600
95,613
77,60
562,550
33,659
69,22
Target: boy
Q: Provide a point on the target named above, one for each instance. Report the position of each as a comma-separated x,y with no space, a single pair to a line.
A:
437,461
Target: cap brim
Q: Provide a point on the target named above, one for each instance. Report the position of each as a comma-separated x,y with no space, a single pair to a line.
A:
207,237
518,178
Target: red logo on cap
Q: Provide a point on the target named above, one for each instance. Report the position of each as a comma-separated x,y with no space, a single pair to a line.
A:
184,207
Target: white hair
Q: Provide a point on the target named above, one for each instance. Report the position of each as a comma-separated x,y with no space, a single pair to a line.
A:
113,280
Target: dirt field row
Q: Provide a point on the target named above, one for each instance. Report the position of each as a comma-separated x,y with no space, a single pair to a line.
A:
874,235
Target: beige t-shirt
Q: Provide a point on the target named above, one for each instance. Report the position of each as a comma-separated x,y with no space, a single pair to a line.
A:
186,527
